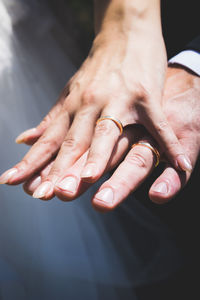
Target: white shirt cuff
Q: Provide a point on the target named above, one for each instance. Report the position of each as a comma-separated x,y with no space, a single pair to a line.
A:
189,59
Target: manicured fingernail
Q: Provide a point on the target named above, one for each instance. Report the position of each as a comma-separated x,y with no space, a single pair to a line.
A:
106,195
68,184
89,171
34,183
20,139
4,178
184,163
42,190
161,188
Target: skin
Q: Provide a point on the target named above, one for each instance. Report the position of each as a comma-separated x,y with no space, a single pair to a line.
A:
182,93
118,78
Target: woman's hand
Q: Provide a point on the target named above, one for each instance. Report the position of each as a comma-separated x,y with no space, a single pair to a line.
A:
122,77
182,92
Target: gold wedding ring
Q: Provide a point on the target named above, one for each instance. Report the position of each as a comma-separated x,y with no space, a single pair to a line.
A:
116,121
154,150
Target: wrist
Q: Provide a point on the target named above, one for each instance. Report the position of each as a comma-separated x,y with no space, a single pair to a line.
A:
126,16
131,42
181,80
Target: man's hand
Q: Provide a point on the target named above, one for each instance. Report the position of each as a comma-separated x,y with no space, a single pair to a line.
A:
181,104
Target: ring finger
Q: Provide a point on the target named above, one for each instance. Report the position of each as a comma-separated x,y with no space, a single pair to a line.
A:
107,132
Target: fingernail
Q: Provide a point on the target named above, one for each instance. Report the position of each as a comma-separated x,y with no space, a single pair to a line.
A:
184,163
4,178
42,190
20,139
68,184
89,171
161,188
34,183
106,195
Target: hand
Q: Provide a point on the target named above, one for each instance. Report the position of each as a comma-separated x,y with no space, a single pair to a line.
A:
182,108
130,92
71,186
182,92
181,104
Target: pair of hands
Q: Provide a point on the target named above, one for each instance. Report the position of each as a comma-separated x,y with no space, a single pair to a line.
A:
123,77
181,106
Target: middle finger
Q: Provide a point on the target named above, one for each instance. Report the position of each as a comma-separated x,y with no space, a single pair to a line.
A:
137,165
107,132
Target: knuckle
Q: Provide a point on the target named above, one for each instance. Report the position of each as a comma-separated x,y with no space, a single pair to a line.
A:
24,163
103,128
83,113
173,147
89,96
174,144
136,158
48,143
46,121
71,143
162,126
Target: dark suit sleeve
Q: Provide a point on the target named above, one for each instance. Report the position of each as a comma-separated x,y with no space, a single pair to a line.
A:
194,44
